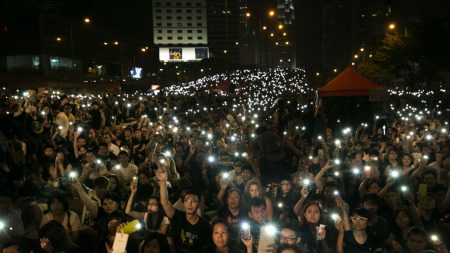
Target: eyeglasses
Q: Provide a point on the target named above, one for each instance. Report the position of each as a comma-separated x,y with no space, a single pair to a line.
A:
190,200
358,218
287,238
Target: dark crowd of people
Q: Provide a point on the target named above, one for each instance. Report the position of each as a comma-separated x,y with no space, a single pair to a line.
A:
144,173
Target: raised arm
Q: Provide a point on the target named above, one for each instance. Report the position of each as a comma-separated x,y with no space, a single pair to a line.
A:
161,175
91,206
134,214
318,178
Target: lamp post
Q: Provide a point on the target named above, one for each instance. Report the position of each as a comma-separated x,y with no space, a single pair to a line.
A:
86,20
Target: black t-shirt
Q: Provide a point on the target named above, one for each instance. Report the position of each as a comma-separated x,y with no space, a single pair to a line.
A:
190,238
380,231
352,246
233,221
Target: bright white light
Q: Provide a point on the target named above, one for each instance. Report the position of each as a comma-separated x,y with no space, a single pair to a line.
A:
225,175
98,161
72,174
404,188
270,229
337,161
395,173
434,238
355,171
211,159
306,182
245,226
335,216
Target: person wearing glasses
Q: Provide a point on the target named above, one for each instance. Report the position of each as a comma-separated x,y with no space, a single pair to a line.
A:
154,219
356,238
190,231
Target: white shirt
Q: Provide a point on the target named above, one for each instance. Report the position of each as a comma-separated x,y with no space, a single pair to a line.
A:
73,221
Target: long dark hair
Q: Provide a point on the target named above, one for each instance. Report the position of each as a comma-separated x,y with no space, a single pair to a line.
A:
57,236
153,220
160,238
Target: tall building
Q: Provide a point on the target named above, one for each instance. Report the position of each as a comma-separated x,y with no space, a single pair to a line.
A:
332,34
180,30
42,47
223,29
267,33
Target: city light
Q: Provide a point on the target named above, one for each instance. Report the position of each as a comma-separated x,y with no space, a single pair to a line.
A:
248,14
58,39
391,26
116,43
271,13
105,43
280,26
264,27
87,20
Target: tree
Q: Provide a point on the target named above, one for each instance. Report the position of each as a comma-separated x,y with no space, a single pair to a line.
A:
417,58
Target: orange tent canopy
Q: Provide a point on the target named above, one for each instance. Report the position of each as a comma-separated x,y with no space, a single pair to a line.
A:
348,83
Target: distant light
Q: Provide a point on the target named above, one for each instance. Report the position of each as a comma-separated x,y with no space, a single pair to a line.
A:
361,49
264,27
116,43
248,14
105,43
334,70
317,74
280,26
391,26
58,39
87,20
356,56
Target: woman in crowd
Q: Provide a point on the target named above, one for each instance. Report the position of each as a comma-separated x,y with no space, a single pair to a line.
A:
58,208
154,219
253,189
312,232
222,241
54,238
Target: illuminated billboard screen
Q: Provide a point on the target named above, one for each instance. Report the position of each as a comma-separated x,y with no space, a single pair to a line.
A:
136,73
183,54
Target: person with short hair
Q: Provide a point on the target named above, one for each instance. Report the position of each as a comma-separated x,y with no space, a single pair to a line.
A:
58,207
190,231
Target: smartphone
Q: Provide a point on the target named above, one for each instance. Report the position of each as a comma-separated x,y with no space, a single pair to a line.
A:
246,235
267,237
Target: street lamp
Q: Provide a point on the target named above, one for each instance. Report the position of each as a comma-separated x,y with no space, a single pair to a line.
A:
391,26
280,26
248,14
58,39
87,20
271,13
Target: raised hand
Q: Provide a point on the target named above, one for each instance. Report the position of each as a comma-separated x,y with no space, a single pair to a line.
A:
161,174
